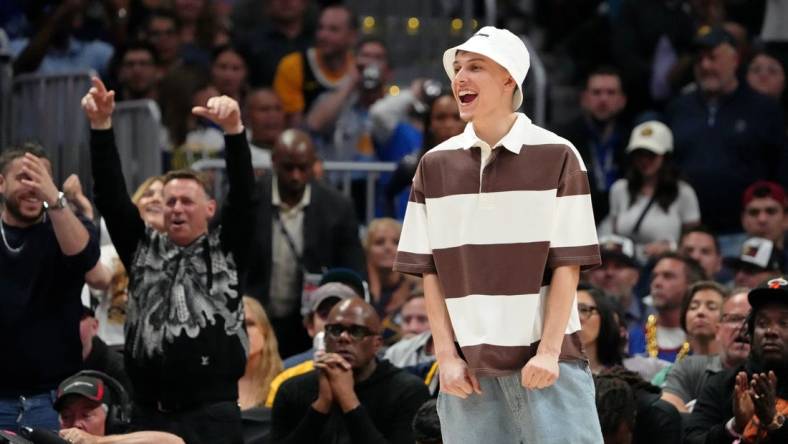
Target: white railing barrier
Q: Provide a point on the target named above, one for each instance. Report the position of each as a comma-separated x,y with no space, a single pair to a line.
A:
345,171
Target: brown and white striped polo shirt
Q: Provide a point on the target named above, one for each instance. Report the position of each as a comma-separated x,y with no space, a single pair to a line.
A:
493,223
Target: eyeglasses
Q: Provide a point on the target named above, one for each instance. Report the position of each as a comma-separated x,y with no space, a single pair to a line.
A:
586,310
733,318
357,332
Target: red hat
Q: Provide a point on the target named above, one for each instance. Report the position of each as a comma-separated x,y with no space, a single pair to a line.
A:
763,188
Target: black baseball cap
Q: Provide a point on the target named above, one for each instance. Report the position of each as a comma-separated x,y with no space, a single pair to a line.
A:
772,290
757,253
708,37
618,248
87,386
345,276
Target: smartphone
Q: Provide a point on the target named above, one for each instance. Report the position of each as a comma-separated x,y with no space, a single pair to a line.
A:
319,344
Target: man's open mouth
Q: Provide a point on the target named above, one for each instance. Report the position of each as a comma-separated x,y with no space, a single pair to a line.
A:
467,96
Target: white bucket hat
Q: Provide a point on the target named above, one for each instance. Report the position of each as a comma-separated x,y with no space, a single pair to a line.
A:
502,47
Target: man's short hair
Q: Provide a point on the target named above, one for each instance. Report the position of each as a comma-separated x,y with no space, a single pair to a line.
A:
700,229
606,70
367,39
692,268
417,292
352,18
18,151
615,404
426,424
694,289
138,45
163,14
190,175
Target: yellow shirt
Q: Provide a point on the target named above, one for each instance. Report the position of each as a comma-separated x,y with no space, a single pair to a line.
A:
300,369
289,78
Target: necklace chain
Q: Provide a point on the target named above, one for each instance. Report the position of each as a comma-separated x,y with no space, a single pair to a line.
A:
651,340
5,241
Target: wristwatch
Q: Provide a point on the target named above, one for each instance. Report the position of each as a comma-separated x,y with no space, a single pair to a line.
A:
777,423
59,204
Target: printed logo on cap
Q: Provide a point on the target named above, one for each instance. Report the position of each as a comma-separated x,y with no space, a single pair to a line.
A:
777,283
750,251
647,132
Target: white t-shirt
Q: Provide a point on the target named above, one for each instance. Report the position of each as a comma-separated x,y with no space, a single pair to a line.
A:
657,225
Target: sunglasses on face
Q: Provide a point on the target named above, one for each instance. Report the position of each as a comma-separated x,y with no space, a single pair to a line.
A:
357,332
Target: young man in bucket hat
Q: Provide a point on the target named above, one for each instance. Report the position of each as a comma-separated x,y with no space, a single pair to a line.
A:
499,224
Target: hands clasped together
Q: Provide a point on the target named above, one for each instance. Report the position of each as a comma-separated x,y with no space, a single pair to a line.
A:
336,381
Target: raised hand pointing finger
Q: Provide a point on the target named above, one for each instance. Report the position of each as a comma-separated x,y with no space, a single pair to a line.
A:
223,111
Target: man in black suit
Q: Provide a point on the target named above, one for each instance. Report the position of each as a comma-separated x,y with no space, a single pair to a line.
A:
307,228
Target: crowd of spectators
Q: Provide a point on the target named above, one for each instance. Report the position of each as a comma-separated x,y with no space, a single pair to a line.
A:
315,338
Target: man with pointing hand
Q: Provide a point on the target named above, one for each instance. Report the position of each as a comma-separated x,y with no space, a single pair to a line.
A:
185,339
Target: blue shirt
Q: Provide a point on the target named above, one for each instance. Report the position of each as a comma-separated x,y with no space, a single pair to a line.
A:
724,147
79,55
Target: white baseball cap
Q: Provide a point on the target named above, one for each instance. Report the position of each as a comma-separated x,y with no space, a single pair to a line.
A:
653,136
502,47
757,252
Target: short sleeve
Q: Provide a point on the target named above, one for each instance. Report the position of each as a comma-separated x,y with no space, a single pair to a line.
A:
573,238
689,209
414,253
678,381
289,83
618,197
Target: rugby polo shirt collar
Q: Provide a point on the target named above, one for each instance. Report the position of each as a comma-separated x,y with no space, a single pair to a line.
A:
512,141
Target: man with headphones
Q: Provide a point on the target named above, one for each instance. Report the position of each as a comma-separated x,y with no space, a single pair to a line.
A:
93,408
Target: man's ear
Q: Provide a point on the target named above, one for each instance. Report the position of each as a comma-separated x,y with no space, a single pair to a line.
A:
211,208
510,83
2,184
378,342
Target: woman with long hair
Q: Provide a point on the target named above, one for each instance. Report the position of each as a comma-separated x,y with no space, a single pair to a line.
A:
150,202
599,329
441,122
388,288
651,205
229,72
111,309
263,362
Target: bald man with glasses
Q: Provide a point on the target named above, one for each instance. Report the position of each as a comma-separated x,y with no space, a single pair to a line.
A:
351,396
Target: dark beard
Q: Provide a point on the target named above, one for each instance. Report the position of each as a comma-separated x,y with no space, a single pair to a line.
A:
13,208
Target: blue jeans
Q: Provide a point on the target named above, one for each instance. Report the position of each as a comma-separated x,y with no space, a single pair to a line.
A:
31,411
508,413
